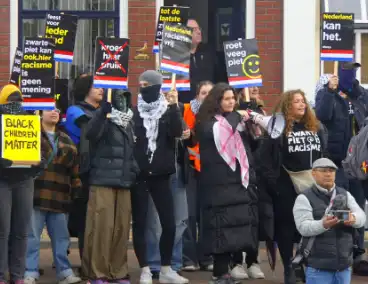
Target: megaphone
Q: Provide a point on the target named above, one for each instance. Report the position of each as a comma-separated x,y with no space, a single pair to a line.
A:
274,125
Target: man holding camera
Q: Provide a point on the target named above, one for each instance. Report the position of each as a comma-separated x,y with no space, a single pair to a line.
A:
326,216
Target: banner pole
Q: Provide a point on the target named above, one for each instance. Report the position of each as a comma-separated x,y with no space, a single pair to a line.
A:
173,81
336,68
246,95
109,94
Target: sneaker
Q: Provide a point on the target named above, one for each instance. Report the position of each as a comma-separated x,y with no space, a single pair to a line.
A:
239,273
209,267
71,279
255,272
29,280
226,279
146,277
190,268
172,277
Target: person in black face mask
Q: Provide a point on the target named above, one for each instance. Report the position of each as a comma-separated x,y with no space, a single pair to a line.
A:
112,175
157,124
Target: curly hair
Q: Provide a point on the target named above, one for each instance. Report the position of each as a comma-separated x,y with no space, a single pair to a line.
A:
284,106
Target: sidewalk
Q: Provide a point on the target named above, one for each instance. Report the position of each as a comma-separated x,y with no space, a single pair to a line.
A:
195,277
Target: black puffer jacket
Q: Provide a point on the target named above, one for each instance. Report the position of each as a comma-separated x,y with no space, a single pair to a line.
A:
230,211
170,127
113,164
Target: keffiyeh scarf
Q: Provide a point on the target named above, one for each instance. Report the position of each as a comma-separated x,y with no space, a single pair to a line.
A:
195,105
230,146
11,108
121,118
151,114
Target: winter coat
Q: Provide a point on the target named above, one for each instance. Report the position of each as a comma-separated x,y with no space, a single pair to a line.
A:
230,211
113,164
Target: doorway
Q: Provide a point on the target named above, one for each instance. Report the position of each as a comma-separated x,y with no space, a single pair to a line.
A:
220,21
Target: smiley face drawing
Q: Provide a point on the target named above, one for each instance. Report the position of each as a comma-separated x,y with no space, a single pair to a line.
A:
251,66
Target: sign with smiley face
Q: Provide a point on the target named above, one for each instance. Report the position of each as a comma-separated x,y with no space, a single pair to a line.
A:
243,63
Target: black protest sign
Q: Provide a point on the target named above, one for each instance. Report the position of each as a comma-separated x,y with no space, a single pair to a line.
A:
243,63
63,29
176,45
170,14
182,82
16,69
337,37
111,63
61,95
38,71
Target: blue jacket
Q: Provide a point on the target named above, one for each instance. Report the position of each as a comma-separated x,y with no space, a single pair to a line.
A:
333,111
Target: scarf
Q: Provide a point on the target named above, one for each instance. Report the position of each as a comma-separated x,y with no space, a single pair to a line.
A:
195,105
151,114
230,146
323,80
121,118
11,108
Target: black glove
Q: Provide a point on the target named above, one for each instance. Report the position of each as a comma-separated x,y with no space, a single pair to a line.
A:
5,163
106,107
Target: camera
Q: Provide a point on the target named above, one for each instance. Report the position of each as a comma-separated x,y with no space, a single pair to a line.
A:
342,215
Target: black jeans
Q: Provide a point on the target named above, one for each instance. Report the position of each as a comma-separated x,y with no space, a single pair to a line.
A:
159,188
251,258
222,262
192,248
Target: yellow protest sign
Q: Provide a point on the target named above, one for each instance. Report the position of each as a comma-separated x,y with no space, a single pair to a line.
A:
21,139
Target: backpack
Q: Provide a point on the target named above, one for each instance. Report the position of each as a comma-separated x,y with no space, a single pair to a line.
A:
356,162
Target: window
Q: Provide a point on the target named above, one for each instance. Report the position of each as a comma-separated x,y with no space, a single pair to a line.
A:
364,59
343,6
96,18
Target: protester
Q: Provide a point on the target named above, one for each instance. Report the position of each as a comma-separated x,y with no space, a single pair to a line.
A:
193,257
16,202
87,100
177,182
342,107
230,196
328,237
303,141
157,124
202,63
112,175
54,190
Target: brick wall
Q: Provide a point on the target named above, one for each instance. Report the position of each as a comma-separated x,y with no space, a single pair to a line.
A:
4,40
269,28
142,27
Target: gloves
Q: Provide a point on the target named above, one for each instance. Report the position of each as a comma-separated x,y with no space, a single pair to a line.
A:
106,107
5,163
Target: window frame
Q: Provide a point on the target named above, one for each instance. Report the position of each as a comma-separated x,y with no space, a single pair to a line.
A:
24,14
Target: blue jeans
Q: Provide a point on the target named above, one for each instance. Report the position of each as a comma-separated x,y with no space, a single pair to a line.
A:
153,232
317,276
57,228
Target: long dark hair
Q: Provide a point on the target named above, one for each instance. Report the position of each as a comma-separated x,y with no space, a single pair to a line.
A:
212,103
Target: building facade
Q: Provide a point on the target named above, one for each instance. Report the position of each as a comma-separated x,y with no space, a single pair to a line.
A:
287,31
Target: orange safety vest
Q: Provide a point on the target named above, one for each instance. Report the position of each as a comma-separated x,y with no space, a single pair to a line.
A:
190,119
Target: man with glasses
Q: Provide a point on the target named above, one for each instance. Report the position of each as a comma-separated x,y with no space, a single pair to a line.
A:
326,216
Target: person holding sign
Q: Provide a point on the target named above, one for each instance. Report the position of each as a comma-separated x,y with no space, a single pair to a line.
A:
228,182
16,184
54,191
157,125
112,175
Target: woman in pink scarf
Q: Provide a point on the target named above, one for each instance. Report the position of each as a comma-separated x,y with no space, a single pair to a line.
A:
230,196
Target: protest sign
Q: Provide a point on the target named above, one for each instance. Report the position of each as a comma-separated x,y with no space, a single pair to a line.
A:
38,71
243,63
337,37
21,139
16,70
63,29
61,95
169,14
182,82
176,45
111,63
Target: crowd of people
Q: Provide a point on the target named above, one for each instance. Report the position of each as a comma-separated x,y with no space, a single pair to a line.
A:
202,183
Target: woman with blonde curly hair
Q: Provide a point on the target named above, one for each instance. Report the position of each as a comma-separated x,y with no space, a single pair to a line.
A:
302,142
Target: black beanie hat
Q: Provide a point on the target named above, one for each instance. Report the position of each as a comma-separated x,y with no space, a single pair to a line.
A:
82,86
